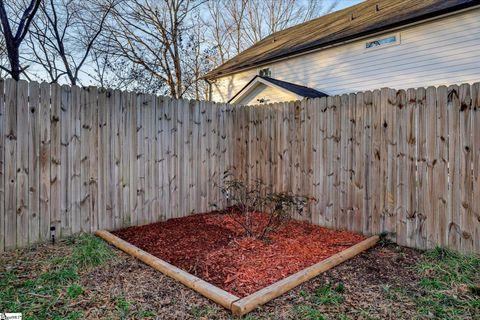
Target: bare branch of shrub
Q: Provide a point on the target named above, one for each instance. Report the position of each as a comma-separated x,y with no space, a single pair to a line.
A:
248,199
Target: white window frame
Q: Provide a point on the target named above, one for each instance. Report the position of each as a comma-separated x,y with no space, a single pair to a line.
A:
398,41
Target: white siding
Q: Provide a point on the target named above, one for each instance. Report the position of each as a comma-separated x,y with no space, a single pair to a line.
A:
266,93
223,89
438,52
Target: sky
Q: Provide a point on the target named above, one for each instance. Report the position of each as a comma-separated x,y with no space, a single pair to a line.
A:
344,3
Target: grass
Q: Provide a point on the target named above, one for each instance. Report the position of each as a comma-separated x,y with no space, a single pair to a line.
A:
393,293
447,284
448,289
48,294
51,286
74,291
449,280
322,296
206,312
123,307
330,295
307,312
126,310
90,251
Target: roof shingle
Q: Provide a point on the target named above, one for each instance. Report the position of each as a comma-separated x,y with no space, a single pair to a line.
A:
366,18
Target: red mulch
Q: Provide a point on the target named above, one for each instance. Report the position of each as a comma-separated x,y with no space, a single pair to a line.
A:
211,246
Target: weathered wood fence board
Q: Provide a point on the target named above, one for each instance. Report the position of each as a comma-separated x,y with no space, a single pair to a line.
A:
406,162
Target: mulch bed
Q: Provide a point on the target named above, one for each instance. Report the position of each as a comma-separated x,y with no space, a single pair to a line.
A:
212,247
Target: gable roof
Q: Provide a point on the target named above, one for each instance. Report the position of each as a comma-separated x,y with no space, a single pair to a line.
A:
298,90
369,17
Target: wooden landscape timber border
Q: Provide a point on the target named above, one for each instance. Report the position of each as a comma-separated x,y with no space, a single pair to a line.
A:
206,289
262,296
238,306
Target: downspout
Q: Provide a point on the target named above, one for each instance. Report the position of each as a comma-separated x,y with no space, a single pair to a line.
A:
209,91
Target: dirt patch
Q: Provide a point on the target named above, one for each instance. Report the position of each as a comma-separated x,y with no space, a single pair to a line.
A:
212,247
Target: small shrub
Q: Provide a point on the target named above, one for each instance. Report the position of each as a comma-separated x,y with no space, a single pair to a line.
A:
257,197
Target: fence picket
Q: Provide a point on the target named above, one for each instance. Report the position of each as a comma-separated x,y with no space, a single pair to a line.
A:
322,168
75,164
117,159
23,121
55,166
466,220
453,106
2,166
431,216
476,164
158,162
65,161
10,164
34,163
93,160
402,166
377,179
357,185
343,220
85,131
366,103
440,175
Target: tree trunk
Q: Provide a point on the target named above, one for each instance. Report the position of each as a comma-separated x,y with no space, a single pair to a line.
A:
14,59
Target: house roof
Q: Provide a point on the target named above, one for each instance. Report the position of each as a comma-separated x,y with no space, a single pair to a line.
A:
369,17
298,90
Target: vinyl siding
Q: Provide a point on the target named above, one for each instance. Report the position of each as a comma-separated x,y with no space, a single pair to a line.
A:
266,93
438,52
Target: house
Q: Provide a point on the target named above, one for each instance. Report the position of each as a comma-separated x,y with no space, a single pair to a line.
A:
377,43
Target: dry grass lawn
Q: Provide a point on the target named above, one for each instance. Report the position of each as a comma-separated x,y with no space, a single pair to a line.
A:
83,278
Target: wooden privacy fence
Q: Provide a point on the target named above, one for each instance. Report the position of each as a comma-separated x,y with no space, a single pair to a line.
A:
83,159
401,162
404,162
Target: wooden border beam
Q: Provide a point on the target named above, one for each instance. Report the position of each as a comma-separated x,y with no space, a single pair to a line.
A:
229,301
206,289
262,296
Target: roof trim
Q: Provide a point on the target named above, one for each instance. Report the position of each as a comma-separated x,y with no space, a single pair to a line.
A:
298,91
454,9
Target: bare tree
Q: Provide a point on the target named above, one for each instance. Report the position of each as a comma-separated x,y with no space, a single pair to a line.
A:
219,32
101,63
236,10
153,37
265,17
198,62
13,38
235,25
3,57
64,34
